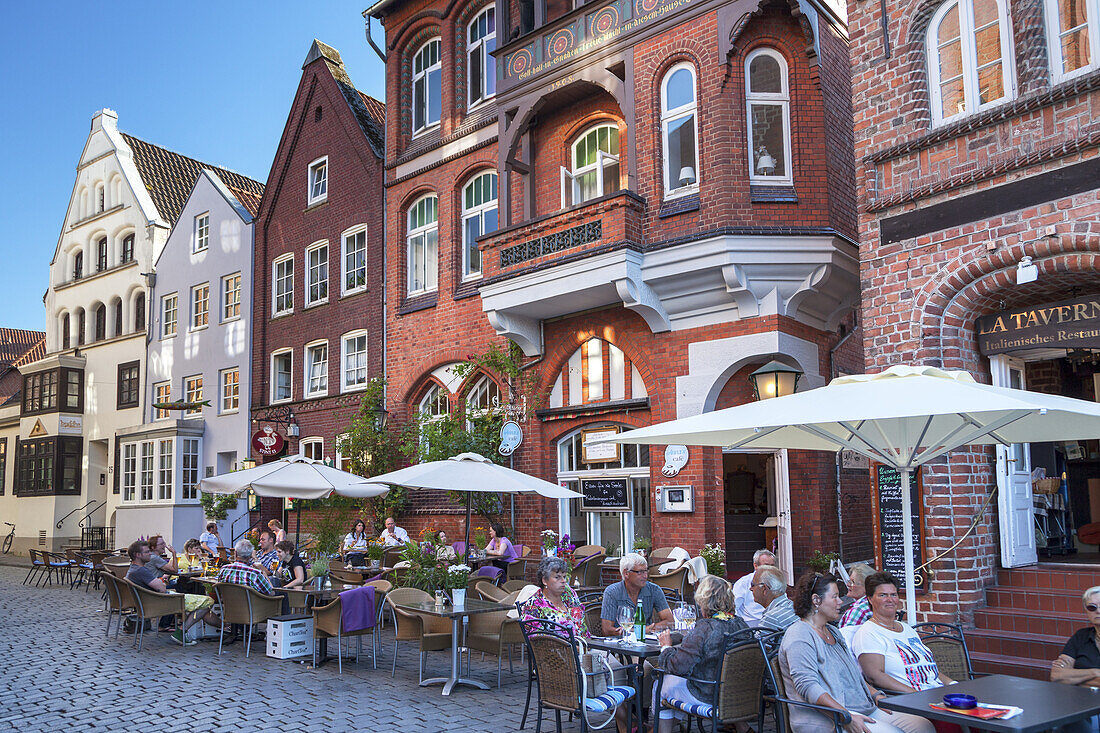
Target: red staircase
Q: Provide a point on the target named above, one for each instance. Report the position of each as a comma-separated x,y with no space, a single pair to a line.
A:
1029,614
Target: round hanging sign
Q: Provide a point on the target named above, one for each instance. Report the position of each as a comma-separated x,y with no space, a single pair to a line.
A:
267,442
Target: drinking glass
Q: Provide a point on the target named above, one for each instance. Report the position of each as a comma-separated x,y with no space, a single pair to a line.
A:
689,616
626,622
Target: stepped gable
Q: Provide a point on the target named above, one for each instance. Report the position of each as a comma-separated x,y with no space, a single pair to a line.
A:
369,112
169,177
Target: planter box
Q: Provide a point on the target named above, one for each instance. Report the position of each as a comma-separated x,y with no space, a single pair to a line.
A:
290,637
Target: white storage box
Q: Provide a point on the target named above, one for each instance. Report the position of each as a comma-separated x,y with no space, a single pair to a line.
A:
290,637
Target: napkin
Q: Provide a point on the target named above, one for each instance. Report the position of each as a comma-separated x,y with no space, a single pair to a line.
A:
983,711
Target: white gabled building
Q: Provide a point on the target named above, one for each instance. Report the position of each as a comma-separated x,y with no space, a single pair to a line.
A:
88,388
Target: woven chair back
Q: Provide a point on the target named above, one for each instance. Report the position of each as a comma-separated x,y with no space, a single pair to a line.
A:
380,586
514,585
488,591
345,578
409,627
556,666
335,564
950,656
234,602
741,678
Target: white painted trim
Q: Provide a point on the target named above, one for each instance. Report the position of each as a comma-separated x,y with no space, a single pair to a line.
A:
310,198
782,99
1053,37
669,116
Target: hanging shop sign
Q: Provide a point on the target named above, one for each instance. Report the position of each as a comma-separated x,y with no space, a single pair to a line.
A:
602,453
266,442
676,457
511,435
1070,324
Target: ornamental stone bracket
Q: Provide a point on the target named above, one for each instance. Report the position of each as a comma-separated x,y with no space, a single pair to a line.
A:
812,279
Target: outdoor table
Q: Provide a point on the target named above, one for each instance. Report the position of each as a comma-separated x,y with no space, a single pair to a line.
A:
634,650
455,613
1046,704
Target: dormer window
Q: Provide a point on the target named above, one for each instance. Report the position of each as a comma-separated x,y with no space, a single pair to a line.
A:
318,180
482,68
427,86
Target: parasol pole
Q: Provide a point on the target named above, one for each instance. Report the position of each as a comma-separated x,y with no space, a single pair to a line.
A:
907,534
467,526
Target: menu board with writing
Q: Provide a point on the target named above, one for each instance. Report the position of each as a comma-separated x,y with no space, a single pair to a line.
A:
605,494
887,523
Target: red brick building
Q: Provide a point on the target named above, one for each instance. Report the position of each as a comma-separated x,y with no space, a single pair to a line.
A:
976,152
318,335
651,199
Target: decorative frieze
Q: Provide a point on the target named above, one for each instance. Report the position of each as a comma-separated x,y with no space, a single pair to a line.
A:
590,231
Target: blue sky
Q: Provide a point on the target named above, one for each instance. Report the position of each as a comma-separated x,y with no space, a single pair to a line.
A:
211,80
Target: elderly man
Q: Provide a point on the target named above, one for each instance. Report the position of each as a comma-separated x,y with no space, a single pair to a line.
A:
748,609
632,589
141,573
243,570
267,557
392,535
769,589
860,611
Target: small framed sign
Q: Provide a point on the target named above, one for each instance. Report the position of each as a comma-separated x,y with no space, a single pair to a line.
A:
603,453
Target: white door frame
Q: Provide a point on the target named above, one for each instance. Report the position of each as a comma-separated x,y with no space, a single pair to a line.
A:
782,508
1015,511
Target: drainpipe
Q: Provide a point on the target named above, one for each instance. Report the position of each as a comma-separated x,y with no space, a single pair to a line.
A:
380,52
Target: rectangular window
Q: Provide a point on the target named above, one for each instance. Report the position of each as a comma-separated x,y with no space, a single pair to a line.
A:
318,180
74,390
317,274
189,479
129,384
231,296
1073,34
231,389
164,470
200,306
129,471
355,261
3,464
162,392
101,255
39,392
202,232
281,384
35,466
316,370
283,286
312,448
128,249
192,392
146,475
169,309
355,361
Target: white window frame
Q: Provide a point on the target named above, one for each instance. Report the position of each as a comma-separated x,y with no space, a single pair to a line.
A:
425,407
229,402
190,395
169,304
147,471
317,185
202,233
285,279
322,378
570,194
306,443
345,385
190,453
320,267
477,211
969,60
200,306
345,253
129,472
231,297
668,116
165,397
781,99
482,46
424,74
275,355
422,232
165,469
1054,37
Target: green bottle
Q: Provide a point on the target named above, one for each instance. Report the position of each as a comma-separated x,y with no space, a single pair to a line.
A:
639,623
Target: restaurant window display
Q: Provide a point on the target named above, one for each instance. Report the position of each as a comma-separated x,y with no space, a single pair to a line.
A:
621,481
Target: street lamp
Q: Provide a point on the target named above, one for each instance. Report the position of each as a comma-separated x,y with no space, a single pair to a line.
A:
774,379
381,416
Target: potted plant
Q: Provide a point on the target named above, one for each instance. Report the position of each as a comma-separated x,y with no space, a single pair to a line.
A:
820,562
611,548
374,552
481,537
318,571
549,542
457,578
643,546
715,557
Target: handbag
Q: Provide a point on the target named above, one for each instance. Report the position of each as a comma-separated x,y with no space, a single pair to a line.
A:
596,671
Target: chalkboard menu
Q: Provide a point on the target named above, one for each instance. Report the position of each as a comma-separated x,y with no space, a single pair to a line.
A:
605,494
887,525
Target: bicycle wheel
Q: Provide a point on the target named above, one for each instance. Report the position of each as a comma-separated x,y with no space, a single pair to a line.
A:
7,543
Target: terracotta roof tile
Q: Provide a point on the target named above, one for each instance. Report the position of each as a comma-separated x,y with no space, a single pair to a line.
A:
249,199
18,346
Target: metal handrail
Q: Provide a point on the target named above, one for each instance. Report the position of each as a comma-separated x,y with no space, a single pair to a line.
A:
88,516
74,511
235,537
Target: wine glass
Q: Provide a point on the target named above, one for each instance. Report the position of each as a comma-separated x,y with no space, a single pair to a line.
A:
626,621
689,616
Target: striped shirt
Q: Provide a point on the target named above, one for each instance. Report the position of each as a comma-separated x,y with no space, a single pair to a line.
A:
268,559
779,614
857,614
238,572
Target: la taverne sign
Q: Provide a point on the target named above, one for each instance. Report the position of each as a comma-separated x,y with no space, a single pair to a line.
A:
1071,324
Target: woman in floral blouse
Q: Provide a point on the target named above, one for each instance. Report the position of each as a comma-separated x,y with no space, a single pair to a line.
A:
556,601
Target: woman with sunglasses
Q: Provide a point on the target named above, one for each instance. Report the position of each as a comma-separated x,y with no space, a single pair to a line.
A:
818,668
1079,662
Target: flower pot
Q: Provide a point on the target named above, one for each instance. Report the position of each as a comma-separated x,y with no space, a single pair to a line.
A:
551,551
319,581
458,596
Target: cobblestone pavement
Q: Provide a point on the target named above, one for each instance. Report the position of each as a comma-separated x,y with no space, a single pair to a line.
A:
62,674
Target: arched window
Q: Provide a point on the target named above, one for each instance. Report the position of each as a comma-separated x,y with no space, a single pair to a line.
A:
968,43
769,112
479,217
127,254
434,403
100,322
484,395
65,331
679,128
427,85
78,265
584,378
118,317
81,325
139,312
1073,32
482,41
100,198
101,255
595,158
423,244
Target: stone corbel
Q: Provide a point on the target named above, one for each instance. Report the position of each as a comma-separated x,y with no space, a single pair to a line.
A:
739,287
827,293
640,298
521,329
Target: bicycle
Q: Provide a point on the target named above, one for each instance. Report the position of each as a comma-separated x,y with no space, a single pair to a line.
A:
9,539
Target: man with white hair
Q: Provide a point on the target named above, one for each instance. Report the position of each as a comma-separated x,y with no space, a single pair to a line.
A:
769,589
243,572
747,608
633,589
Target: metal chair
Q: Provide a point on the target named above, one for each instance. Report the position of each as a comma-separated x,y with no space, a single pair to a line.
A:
948,647
245,606
152,606
38,566
433,634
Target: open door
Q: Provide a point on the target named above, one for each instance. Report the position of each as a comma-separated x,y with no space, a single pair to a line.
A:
1015,515
783,514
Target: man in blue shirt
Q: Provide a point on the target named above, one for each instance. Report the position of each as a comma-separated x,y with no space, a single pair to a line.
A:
634,587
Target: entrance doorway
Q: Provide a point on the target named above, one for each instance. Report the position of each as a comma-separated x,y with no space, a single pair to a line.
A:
756,503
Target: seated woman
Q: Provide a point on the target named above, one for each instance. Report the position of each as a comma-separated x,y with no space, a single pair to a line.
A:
292,571
890,652
817,668
500,547
700,654
1079,662
443,551
355,544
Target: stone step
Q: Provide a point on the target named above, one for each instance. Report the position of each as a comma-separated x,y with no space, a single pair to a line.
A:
1038,601
1014,666
1020,623
1039,648
1071,579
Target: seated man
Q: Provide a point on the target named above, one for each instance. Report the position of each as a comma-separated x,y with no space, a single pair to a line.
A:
749,610
634,587
243,570
267,557
209,540
392,535
769,589
141,573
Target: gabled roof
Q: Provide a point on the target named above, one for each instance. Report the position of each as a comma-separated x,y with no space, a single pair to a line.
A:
18,346
369,112
169,176
249,199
